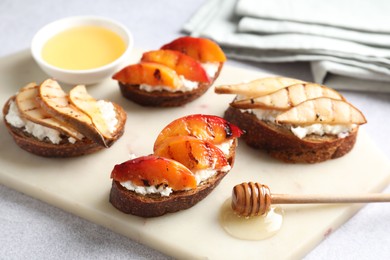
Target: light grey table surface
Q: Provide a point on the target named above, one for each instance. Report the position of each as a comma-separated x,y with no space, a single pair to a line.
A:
31,229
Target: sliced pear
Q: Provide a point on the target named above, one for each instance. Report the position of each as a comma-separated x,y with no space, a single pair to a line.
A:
29,108
288,97
258,87
56,102
322,111
80,98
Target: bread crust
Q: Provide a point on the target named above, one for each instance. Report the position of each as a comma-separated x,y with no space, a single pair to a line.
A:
154,205
282,144
130,202
64,149
164,98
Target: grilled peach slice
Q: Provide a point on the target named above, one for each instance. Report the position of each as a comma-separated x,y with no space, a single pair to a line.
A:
322,111
205,127
193,153
288,97
149,73
183,64
153,171
257,87
201,49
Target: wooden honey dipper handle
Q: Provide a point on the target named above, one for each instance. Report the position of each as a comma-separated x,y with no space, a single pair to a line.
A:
252,199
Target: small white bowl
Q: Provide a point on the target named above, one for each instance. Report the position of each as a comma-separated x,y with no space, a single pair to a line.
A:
89,76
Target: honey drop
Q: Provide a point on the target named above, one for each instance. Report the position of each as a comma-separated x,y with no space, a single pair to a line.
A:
250,228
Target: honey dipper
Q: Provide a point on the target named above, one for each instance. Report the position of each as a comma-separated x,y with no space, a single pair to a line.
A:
253,199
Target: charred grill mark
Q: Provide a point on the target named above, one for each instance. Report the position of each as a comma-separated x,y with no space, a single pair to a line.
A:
145,182
48,96
51,86
190,153
44,117
209,154
199,56
288,96
31,109
228,130
171,154
157,74
210,128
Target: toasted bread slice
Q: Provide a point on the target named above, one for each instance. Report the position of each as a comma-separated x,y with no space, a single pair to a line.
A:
130,202
65,148
282,144
164,98
154,205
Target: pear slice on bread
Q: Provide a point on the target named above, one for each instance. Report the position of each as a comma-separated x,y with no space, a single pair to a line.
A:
80,98
56,102
258,87
26,101
292,120
287,97
324,111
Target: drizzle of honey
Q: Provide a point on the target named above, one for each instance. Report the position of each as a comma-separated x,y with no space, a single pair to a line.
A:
253,228
83,47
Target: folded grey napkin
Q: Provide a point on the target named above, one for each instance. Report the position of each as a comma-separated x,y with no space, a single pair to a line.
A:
355,54
361,15
267,26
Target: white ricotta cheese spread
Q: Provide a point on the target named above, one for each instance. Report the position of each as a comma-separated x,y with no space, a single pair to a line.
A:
185,85
321,129
341,131
211,68
38,131
109,114
164,191
203,175
266,114
225,146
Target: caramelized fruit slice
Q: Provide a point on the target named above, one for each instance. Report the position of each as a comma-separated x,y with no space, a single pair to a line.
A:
324,111
26,101
56,102
183,64
149,73
201,49
288,97
206,127
80,98
193,153
257,87
153,171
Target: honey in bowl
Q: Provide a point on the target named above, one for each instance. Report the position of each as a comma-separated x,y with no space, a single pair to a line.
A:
83,48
